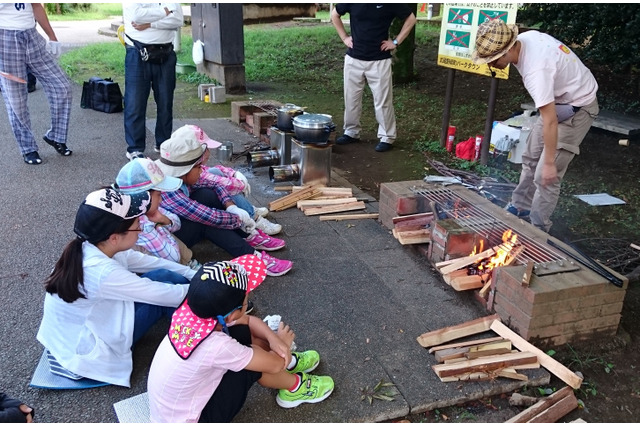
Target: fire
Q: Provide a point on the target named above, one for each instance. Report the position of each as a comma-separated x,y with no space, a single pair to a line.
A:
509,241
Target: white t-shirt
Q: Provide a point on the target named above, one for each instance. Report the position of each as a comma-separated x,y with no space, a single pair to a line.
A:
16,16
179,388
551,72
92,336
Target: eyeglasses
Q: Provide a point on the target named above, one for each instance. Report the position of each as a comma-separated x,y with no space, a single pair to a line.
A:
138,229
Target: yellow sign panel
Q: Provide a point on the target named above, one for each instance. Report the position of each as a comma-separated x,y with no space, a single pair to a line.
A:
460,23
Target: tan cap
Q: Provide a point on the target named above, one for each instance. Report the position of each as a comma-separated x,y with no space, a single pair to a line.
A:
493,40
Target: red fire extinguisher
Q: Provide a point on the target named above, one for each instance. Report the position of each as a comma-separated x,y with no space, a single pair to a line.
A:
478,146
451,135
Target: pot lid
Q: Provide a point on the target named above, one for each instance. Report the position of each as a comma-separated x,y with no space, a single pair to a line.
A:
290,108
312,120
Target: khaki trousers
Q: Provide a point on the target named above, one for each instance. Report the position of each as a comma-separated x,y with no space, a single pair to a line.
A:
530,194
378,75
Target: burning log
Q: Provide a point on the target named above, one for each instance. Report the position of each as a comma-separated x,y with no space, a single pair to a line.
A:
479,267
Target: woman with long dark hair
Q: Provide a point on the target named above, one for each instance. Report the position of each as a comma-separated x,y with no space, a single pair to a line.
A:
96,306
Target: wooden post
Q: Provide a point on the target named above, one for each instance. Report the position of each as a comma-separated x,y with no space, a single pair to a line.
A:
488,125
446,112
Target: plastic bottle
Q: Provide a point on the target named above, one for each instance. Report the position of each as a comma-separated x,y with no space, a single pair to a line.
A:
206,97
451,135
478,146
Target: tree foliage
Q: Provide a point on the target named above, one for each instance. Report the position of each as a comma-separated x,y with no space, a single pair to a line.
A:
63,8
603,33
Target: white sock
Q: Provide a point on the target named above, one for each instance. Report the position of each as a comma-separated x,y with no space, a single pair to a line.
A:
293,363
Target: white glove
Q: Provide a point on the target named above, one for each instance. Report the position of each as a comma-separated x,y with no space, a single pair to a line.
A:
55,48
248,224
242,178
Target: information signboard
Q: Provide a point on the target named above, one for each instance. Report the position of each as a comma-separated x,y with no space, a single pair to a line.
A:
460,23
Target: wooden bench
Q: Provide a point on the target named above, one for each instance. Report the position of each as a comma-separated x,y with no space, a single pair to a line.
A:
611,121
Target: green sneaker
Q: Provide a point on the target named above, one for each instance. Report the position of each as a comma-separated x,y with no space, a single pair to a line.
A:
312,389
307,361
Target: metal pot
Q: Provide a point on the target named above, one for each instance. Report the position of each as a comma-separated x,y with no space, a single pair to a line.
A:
225,151
313,128
286,114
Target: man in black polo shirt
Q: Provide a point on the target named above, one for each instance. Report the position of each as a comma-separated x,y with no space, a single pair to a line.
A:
368,59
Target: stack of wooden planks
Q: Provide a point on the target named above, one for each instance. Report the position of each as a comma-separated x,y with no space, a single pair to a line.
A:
504,355
413,228
323,201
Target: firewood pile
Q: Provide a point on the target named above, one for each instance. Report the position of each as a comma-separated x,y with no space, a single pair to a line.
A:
505,355
322,201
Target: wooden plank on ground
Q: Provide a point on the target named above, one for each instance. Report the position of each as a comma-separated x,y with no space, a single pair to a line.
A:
350,216
511,373
447,334
345,207
468,282
290,200
486,352
542,405
284,188
447,354
500,344
465,377
418,236
318,203
411,217
557,411
559,370
467,343
484,364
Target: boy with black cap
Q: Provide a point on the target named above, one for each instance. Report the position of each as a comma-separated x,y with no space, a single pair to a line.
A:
213,353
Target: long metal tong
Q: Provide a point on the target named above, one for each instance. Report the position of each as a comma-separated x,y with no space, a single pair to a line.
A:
589,263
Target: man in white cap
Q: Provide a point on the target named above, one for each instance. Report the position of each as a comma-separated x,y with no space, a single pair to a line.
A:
563,90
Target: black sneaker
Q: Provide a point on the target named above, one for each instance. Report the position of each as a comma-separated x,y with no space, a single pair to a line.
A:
249,307
383,147
32,158
516,211
346,139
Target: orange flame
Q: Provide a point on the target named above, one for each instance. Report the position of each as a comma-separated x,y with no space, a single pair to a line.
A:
509,241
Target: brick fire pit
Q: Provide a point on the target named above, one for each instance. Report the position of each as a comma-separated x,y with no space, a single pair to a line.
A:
563,302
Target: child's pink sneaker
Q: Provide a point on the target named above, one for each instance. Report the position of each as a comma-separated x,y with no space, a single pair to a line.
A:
275,267
261,241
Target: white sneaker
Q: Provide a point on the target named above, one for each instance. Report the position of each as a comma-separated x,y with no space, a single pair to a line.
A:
134,154
267,227
261,211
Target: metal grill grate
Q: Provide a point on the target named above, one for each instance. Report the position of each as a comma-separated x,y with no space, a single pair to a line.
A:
266,107
489,227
